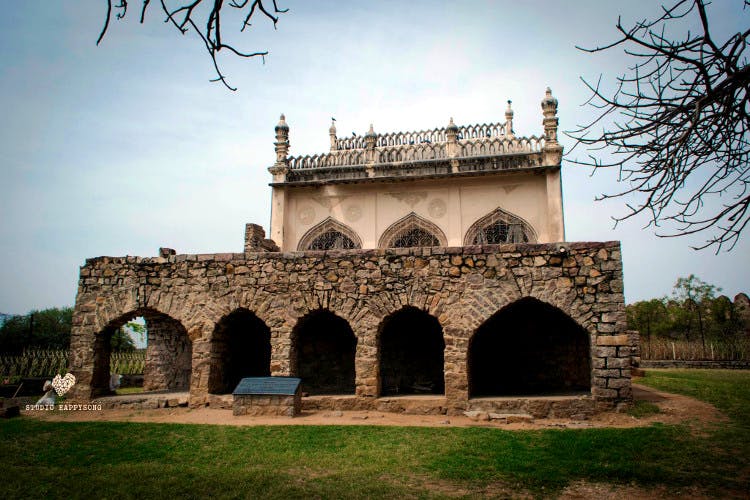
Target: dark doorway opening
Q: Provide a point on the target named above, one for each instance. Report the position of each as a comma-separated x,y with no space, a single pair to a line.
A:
324,348
529,348
241,347
411,348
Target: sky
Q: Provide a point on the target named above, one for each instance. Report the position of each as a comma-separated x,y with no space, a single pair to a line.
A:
127,147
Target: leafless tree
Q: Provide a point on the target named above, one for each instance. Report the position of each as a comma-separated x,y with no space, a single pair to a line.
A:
186,14
675,125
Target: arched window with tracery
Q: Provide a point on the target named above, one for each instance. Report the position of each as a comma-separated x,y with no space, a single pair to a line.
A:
412,231
329,235
499,227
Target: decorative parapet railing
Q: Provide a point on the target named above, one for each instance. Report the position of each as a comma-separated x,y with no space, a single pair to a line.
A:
418,151
492,143
485,130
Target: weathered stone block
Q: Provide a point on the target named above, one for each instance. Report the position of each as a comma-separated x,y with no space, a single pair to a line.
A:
613,340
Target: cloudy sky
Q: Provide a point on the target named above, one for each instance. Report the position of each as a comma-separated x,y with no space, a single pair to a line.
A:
126,147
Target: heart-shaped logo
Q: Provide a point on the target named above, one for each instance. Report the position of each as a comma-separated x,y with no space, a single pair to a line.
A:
63,384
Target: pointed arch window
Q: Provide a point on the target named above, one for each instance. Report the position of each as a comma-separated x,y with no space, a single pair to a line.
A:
412,231
330,235
499,227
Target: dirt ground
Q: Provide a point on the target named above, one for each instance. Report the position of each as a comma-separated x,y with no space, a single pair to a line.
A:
673,409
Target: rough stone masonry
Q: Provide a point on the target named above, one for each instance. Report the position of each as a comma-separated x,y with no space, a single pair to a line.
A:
461,287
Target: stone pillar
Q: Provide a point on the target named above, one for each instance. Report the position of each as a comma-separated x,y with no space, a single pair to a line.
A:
81,359
168,355
455,366
366,361
282,353
201,369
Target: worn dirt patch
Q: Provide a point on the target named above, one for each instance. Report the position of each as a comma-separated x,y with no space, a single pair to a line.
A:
584,490
674,409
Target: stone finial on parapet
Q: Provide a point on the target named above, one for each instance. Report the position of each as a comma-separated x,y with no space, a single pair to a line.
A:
332,135
509,121
282,140
370,139
279,169
451,135
552,148
166,252
451,131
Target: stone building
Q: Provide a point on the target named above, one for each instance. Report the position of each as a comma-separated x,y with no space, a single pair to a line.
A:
420,271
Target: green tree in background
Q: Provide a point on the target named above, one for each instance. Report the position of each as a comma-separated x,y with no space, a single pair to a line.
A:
45,329
692,313
649,317
50,329
695,296
122,339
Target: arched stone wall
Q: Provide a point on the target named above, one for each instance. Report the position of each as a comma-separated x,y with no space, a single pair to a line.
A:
462,287
168,364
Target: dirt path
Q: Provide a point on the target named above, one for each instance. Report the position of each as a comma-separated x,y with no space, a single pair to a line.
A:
673,409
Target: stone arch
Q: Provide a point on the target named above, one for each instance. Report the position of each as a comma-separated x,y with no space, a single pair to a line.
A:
329,234
323,350
240,347
500,226
169,352
412,231
529,347
411,353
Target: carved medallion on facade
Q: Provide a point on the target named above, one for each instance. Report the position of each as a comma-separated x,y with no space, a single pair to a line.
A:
411,198
329,201
353,213
437,208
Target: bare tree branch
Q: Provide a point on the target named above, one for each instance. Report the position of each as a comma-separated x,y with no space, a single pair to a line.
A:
183,14
676,126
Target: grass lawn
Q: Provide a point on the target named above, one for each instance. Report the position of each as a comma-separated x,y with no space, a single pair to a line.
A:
144,460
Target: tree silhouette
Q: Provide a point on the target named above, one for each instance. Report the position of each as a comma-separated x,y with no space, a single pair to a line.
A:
185,15
676,125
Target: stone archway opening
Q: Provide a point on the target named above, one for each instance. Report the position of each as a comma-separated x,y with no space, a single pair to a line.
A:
411,351
323,351
529,348
240,347
168,358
